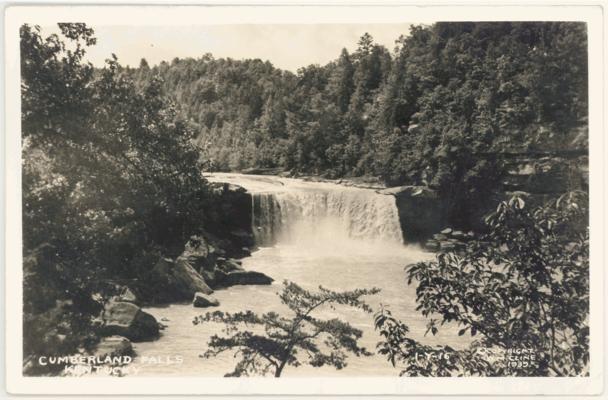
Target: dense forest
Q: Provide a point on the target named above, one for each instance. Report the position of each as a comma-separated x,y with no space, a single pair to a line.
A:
439,109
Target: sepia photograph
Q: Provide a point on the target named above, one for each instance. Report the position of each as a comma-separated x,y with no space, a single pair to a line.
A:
348,199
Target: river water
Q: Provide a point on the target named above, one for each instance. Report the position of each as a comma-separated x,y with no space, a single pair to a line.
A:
341,238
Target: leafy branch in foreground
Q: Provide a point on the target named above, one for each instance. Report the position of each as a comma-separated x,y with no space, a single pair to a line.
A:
523,287
276,342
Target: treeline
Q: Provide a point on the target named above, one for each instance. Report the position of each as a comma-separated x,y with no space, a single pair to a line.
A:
433,111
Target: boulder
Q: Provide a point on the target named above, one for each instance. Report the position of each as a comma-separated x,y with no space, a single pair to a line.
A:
209,277
439,236
128,320
203,300
432,245
242,278
231,265
446,231
459,235
126,295
189,281
447,246
113,346
200,253
176,280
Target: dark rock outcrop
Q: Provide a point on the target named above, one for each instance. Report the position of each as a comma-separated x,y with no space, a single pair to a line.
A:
449,240
202,300
201,254
536,176
127,295
240,277
128,320
176,280
230,265
232,219
188,280
546,174
420,211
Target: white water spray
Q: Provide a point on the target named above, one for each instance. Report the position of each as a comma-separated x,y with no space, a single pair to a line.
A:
294,212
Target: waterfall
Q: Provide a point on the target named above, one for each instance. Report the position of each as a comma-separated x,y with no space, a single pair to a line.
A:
296,216
292,211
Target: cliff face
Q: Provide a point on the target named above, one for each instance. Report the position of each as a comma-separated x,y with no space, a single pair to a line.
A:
420,211
232,222
536,177
544,175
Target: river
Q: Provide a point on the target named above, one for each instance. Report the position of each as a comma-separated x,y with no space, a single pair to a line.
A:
313,234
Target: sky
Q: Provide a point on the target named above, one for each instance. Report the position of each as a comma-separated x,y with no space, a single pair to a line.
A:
287,46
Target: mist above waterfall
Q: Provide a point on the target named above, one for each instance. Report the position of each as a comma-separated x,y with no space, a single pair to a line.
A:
318,215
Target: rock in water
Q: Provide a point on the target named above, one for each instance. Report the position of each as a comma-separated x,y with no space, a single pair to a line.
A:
188,280
176,281
459,235
243,278
128,320
448,246
113,346
432,245
203,300
230,265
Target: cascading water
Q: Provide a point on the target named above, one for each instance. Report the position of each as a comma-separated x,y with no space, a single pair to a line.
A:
319,214
290,211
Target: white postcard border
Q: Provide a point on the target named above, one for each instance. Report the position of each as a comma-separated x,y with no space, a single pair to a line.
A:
182,15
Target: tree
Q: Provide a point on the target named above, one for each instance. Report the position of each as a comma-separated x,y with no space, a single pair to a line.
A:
279,341
111,181
341,82
523,285
143,64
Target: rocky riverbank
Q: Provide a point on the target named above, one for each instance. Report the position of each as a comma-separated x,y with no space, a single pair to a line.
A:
207,262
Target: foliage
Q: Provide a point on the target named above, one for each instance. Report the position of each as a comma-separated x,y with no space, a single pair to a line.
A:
437,111
111,179
524,285
284,338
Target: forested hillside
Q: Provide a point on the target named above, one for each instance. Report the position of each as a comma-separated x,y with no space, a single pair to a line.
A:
438,110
